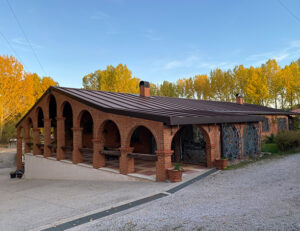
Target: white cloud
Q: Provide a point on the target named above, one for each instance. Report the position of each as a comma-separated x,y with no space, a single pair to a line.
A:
152,35
292,50
195,61
23,44
173,64
99,15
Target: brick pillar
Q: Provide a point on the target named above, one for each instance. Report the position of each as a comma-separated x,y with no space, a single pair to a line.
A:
36,141
98,159
163,163
19,152
126,163
77,143
210,155
60,153
47,137
27,146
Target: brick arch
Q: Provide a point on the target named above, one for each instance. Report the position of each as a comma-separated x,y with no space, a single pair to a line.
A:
79,116
46,110
27,129
28,122
101,128
86,135
48,98
19,132
208,144
36,116
61,106
152,131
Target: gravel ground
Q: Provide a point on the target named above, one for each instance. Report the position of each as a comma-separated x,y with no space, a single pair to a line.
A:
261,196
7,158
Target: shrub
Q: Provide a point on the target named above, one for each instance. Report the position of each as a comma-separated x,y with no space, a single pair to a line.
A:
177,166
269,139
273,148
287,140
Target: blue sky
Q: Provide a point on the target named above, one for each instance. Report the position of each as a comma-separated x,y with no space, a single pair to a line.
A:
158,40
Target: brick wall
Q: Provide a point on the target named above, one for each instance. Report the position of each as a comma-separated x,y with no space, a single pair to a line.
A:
273,125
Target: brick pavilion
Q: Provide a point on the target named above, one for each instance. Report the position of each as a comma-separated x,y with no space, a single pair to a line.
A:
97,127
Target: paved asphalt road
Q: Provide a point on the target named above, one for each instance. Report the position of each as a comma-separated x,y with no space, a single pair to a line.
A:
261,196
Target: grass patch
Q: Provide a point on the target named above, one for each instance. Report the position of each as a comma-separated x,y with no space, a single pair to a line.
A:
251,160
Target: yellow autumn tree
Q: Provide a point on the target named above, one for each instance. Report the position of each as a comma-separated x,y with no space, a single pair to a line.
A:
189,88
202,86
180,87
267,85
291,83
12,93
115,79
256,89
270,72
240,79
221,85
18,90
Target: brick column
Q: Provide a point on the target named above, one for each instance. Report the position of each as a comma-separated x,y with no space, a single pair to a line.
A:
19,152
126,163
36,141
47,137
163,163
98,159
27,146
77,143
210,155
60,153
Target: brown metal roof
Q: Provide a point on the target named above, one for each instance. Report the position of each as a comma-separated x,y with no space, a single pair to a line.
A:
171,111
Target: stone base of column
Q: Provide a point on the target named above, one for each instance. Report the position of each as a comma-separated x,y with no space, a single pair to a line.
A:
76,157
60,154
126,163
77,143
163,163
98,160
47,151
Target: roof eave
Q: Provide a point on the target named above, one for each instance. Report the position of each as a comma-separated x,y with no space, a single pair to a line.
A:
214,120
